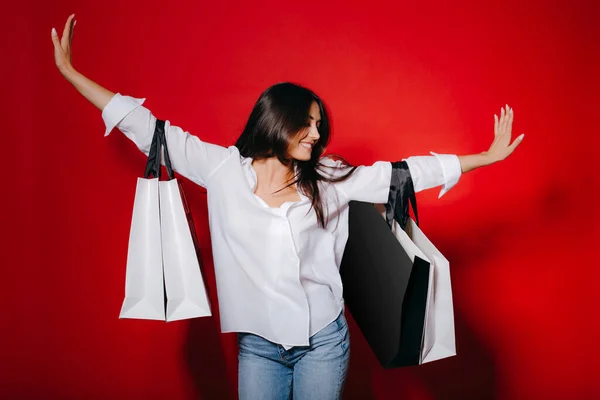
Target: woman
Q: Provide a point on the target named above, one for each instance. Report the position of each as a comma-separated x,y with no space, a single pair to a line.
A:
278,213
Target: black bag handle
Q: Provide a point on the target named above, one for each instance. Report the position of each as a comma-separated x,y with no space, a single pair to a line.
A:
159,140
402,192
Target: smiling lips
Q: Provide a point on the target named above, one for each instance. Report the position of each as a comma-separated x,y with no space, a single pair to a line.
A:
307,145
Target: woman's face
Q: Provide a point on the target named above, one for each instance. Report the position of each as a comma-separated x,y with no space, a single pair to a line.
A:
301,146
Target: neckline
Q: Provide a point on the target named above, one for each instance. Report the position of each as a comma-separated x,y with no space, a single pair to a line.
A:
261,200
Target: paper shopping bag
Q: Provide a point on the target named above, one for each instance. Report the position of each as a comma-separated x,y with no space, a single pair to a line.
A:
438,332
385,279
406,321
385,291
186,294
144,289
185,287
439,338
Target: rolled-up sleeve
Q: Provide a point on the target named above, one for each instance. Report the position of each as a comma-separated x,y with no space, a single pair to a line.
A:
190,156
117,108
435,170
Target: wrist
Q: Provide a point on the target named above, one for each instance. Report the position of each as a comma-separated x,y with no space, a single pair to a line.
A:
69,73
488,158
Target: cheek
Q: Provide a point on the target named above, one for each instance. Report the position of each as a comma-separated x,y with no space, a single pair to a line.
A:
301,135
293,148
297,151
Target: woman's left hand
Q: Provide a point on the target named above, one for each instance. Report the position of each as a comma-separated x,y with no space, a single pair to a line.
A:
501,146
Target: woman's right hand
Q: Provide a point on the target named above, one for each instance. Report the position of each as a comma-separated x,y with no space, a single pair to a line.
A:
62,47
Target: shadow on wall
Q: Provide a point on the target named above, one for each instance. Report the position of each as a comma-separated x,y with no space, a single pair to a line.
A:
203,350
469,375
206,361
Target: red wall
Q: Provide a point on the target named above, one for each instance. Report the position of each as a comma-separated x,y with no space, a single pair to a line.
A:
401,78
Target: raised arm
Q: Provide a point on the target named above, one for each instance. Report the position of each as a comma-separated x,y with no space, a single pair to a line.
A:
190,156
371,183
95,93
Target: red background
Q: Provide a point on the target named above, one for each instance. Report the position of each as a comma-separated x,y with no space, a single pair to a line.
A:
400,78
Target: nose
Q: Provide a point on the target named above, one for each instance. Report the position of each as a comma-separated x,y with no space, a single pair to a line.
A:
314,133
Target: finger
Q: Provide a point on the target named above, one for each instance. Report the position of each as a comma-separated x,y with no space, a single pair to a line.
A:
64,40
58,50
516,142
505,128
500,122
71,32
496,125
506,119
55,38
511,117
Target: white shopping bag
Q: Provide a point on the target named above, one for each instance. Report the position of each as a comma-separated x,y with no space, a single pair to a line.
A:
186,292
144,291
162,248
438,338
438,331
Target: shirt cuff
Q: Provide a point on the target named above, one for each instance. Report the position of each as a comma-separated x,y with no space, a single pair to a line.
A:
451,170
117,108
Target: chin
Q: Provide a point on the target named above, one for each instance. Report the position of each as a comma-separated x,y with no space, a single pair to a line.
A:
302,158
302,155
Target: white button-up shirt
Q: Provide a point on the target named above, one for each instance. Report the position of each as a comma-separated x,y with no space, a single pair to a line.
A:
277,271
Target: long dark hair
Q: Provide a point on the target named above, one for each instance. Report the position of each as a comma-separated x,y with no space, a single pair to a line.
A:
279,114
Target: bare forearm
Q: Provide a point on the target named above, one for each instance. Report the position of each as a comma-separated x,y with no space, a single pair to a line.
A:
472,161
96,94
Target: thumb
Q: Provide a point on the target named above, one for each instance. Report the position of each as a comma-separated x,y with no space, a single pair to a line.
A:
517,141
55,38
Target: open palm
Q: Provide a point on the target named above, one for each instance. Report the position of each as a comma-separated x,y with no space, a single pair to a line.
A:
62,46
501,146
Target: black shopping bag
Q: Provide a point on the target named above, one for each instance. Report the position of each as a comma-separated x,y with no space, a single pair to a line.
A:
384,290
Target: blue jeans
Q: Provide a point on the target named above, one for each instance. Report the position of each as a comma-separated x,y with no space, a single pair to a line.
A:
318,371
